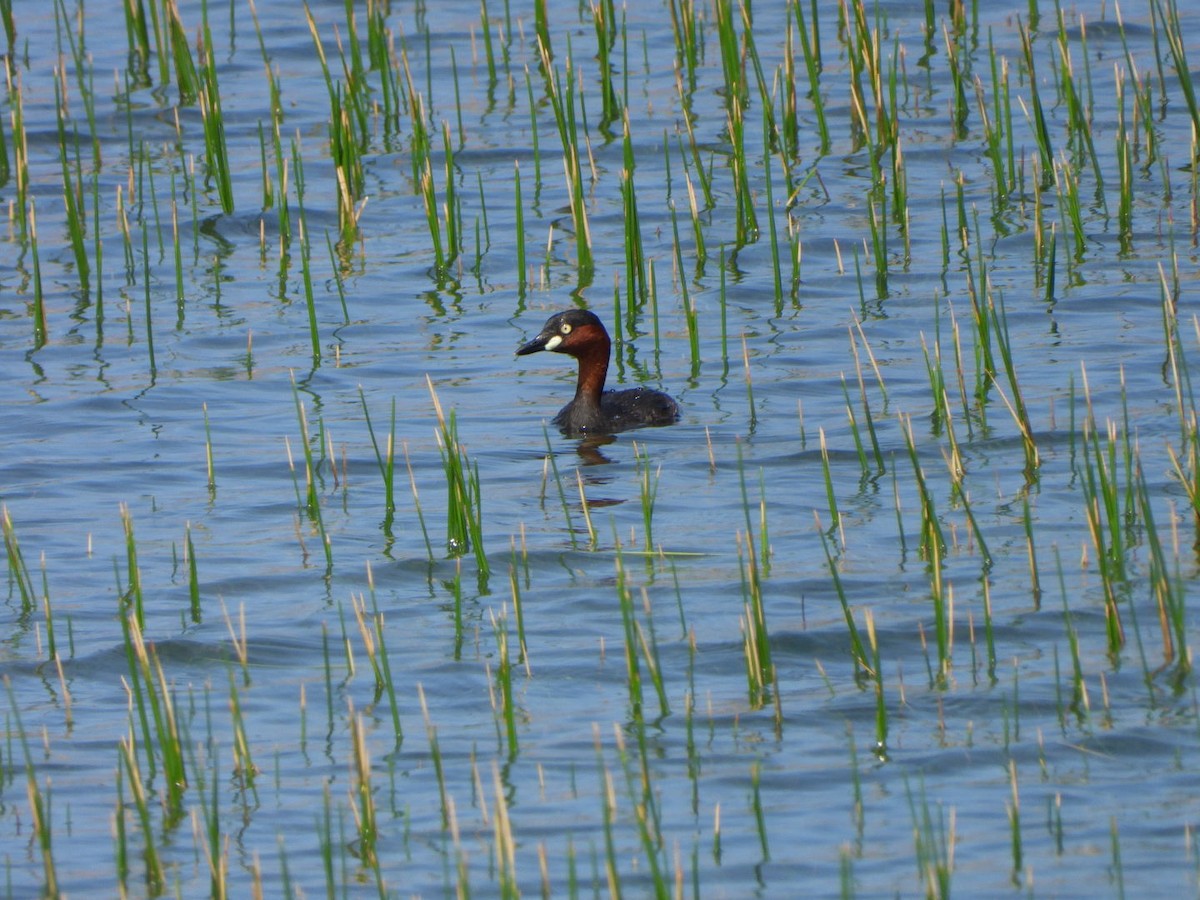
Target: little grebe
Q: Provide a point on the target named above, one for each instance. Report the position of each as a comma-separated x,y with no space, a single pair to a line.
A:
580,334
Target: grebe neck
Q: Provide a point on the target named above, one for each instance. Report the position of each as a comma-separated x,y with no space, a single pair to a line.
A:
593,370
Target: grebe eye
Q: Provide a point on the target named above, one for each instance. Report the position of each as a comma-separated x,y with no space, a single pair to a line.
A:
565,328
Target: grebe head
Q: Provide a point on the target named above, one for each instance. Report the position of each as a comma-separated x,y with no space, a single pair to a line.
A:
575,332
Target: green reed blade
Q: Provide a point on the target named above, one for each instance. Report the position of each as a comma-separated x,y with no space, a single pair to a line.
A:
193,574
385,459
17,569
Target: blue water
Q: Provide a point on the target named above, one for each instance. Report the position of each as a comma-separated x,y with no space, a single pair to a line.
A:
96,424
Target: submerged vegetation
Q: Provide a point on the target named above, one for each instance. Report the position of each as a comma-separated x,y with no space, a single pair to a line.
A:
925,235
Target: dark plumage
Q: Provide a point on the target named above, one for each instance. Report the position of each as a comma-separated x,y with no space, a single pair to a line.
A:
580,334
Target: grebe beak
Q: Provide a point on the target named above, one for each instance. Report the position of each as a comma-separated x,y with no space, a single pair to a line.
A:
547,340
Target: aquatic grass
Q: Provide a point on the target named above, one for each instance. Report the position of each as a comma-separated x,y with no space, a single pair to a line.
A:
881,711
464,509
736,92
649,649
1035,581
636,283
564,118
189,552
1152,572
244,769
412,481
648,492
756,648
863,665
645,806
383,62
703,176
137,34
934,841
518,612
41,332
689,307
772,228
208,94
347,127
215,855
1037,117
1101,495
519,231
605,26
942,596
746,220
958,59
868,416
72,182
1166,588
451,205
385,458
863,56
1080,704
441,253
130,598
1124,152
83,73
552,464
20,146
686,26
633,674
1078,125
457,593
17,570
363,799
370,627
485,30
835,517
507,712
310,503
154,873
39,799
310,303
584,508
811,48
169,737
933,541
534,138
960,493
1168,14
1002,123
435,755
1013,808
